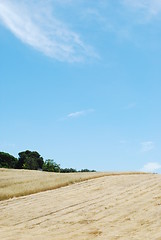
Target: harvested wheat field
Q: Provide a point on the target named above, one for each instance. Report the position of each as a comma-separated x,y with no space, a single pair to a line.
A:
111,207
16,183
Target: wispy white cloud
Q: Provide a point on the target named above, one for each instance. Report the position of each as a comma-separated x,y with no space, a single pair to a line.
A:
53,26
79,113
151,167
36,25
147,146
149,8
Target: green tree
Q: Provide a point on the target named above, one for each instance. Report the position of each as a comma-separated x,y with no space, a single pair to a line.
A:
30,160
7,160
87,170
51,166
68,170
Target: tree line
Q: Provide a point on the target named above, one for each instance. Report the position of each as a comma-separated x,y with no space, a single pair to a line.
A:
32,160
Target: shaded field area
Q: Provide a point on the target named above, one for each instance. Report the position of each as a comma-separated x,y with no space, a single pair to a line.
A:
119,206
15,183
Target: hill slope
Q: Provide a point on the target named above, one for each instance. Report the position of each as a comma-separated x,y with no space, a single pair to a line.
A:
16,183
109,208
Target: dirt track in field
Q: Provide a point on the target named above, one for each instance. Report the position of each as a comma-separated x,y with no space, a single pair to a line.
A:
113,207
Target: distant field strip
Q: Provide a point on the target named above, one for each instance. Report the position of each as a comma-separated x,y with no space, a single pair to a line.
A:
113,207
16,183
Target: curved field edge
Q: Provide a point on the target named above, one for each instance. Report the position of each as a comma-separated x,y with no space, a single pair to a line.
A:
16,183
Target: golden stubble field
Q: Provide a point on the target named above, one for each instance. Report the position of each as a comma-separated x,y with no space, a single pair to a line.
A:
116,206
16,183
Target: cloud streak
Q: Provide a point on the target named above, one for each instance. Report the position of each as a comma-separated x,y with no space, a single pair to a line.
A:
149,8
35,24
44,25
79,113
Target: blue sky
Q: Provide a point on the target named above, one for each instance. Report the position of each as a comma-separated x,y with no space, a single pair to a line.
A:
80,82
